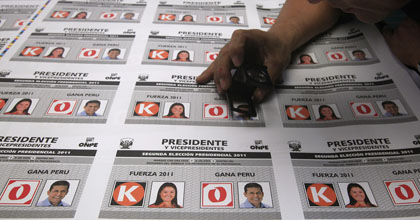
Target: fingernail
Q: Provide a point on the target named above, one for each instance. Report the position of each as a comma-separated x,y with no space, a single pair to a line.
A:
236,61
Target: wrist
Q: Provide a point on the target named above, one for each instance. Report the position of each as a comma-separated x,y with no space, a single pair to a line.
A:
285,38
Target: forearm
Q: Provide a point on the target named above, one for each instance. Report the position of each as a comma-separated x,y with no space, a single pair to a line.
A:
299,21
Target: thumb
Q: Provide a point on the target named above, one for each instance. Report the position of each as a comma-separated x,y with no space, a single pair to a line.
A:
260,94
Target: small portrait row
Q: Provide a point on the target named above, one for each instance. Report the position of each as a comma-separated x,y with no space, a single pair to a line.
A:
181,110
328,112
85,53
87,15
179,55
171,194
191,18
65,107
334,56
56,193
17,23
360,195
171,109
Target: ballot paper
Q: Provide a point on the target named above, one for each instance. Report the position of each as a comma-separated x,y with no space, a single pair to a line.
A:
166,47
102,119
97,11
52,98
156,93
268,12
76,44
15,18
208,13
37,170
207,178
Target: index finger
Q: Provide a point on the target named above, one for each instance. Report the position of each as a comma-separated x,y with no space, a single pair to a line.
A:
237,47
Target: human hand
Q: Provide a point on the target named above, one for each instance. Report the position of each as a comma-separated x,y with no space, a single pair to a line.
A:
253,47
404,42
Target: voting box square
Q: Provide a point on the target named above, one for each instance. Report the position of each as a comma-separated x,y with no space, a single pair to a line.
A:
215,111
217,195
363,109
62,107
321,195
128,194
146,109
403,192
18,192
31,51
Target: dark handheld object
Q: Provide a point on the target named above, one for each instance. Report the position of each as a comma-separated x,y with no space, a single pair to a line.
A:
245,80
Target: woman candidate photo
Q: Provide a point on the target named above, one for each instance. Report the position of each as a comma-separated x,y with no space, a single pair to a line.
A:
176,110
21,108
358,197
306,59
166,197
326,113
56,53
81,15
187,18
183,56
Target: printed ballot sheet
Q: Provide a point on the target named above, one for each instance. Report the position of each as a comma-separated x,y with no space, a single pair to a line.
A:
183,47
208,13
102,119
268,12
157,96
43,176
332,184
76,44
345,44
58,97
15,16
97,11
201,179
